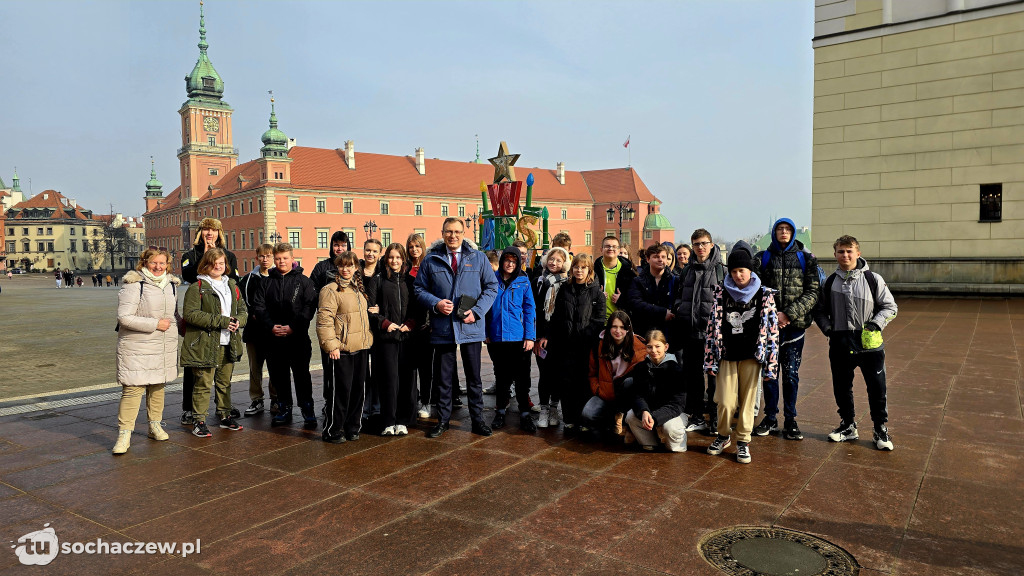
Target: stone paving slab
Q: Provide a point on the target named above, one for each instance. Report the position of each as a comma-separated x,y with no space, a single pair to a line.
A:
947,501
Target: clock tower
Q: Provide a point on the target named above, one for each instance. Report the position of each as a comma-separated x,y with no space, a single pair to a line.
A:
207,151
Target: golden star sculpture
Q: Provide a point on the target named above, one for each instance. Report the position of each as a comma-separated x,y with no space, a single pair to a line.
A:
503,163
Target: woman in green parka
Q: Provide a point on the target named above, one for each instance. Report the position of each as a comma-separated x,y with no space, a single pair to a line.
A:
214,312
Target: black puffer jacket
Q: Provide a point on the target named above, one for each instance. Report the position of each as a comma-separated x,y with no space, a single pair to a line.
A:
394,294
659,389
249,285
190,263
648,302
696,295
285,299
798,288
579,315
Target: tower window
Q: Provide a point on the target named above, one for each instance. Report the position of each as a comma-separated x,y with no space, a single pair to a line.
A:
211,140
991,209
207,82
214,171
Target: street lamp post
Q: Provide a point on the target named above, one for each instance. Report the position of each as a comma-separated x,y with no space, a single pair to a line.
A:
369,228
626,212
275,238
471,220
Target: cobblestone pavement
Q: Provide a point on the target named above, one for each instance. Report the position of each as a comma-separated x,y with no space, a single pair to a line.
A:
947,501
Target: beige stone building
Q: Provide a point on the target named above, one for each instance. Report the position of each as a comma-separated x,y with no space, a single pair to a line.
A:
919,139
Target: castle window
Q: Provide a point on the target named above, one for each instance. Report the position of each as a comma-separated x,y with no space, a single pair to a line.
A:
321,205
214,171
347,207
211,140
991,209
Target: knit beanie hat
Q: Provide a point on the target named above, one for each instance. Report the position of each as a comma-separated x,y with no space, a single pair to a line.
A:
741,256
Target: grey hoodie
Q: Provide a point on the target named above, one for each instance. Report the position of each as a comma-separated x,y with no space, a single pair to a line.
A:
851,305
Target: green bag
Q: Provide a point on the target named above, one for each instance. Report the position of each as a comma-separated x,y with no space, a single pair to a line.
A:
870,339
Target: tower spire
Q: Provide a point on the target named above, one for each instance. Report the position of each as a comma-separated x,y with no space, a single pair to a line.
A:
275,143
202,30
16,183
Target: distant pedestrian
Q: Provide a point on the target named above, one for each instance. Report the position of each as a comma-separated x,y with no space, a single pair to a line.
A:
58,277
116,278
93,276
147,344
109,280
79,281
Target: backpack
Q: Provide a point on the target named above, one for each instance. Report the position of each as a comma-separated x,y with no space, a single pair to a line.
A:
766,258
826,290
174,290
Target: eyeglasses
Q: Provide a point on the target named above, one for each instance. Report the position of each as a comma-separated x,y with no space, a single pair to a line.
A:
704,244
453,232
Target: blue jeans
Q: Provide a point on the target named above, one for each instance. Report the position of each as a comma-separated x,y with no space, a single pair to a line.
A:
790,355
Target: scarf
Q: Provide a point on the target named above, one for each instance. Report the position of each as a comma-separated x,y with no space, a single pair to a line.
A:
223,291
554,281
742,295
159,281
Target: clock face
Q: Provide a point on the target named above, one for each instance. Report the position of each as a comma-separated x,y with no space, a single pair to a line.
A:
211,124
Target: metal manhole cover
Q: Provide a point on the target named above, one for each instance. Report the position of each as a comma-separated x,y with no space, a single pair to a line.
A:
757,551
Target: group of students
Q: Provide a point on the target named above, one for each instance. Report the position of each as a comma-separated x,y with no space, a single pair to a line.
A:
642,353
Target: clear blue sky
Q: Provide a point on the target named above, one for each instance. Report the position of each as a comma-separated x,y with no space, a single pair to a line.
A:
715,95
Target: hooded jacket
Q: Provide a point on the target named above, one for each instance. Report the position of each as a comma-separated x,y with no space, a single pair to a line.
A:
204,322
249,285
842,314
659,389
435,281
325,270
767,348
342,322
146,355
797,286
190,260
601,381
285,299
512,317
393,293
696,295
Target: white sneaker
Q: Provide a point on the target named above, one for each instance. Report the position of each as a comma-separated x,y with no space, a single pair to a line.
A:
424,411
542,420
124,440
401,430
389,431
156,432
553,416
489,389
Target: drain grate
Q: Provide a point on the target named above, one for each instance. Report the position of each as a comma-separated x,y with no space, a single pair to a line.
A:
762,551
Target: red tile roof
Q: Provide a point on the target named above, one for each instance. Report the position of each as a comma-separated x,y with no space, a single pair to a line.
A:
53,200
325,169
617,185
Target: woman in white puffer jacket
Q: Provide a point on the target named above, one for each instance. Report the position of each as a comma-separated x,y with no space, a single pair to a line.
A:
147,343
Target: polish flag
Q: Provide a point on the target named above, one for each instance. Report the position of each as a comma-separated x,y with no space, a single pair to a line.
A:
626,144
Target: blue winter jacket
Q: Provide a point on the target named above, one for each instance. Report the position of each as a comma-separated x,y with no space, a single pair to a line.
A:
512,317
435,282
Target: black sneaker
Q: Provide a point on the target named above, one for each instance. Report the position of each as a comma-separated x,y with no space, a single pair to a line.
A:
883,441
742,453
792,431
186,418
283,416
526,423
309,417
255,408
457,402
720,443
844,432
235,413
766,427
229,423
712,427
499,420
199,429
697,424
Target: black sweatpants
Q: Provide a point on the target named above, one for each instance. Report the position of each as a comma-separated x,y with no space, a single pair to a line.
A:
872,367
511,366
291,354
188,384
693,373
572,377
422,353
395,373
344,391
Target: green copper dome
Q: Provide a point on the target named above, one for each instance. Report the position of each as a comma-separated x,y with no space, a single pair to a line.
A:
204,80
275,143
656,220
154,187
